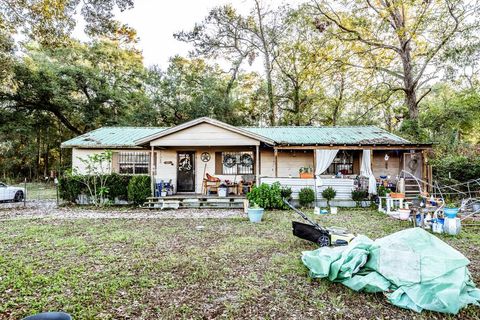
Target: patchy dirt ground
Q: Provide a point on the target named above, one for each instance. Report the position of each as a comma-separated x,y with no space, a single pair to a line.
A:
165,268
49,210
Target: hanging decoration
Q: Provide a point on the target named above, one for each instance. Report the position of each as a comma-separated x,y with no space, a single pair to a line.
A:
185,164
205,157
229,161
246,160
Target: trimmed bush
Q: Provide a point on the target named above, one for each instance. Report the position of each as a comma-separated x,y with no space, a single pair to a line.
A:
70,188
306,197
139,189
329,193
358,196
118,186
267,196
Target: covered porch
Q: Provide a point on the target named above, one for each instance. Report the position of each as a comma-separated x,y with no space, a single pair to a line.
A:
204,158
388,164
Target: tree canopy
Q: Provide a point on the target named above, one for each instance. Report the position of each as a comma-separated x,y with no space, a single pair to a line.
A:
408,66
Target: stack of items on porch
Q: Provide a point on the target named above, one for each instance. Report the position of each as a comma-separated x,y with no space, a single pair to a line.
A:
214,185
163,188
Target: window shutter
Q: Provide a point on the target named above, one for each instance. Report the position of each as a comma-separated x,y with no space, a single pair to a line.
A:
115,167
218,163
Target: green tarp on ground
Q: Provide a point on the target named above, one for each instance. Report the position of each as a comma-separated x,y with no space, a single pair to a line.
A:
415,269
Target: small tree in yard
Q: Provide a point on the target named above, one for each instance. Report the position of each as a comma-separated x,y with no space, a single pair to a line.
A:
329,193
306,197
97,170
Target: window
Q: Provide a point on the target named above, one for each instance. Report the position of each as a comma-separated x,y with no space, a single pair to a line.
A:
343,163
237,162
133,162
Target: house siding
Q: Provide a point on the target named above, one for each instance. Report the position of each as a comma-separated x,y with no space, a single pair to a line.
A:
204,134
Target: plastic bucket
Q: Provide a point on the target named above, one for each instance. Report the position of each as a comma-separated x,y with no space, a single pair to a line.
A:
450,212
255,214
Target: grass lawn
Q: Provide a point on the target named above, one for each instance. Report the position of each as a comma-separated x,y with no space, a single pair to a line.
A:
164,268
39,190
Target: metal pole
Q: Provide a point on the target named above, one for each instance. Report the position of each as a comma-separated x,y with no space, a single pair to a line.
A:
25,195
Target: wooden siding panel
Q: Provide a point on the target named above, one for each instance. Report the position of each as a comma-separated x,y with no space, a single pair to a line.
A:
205,134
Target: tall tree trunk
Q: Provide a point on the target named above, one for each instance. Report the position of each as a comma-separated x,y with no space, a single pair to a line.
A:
37,156
268,65
297,104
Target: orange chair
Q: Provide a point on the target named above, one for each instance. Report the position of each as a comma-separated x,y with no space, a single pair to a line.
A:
210,183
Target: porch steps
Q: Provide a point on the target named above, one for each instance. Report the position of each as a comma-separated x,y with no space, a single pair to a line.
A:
200,202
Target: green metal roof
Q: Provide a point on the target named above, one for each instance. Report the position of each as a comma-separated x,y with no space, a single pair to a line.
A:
107,137
328,135
126,137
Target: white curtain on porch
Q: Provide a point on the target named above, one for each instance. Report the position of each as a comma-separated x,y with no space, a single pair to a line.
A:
324,159
366,171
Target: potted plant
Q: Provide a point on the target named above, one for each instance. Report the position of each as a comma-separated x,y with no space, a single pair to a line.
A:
450,210
222,190
328,194
255,213
383,191
163,193
306,172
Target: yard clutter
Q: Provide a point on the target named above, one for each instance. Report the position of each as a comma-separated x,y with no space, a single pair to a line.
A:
415,269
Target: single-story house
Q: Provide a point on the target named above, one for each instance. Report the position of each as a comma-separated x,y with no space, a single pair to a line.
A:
190,154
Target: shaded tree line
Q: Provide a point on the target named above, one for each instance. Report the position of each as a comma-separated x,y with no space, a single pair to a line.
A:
408,66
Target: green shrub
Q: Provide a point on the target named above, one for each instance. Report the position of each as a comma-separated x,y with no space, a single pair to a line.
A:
139,189
455,168
266,196
70,188
329,193
118,186
358,196
286,193
306,197
382,191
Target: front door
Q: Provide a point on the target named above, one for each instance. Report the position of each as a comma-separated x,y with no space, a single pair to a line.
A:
186,171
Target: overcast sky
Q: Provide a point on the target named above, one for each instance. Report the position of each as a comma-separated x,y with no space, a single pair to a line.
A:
156,21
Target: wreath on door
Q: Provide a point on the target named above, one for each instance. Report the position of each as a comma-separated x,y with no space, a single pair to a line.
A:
185,165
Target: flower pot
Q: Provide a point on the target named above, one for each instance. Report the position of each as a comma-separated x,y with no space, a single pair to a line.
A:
255,214
403,214
163,194
476,206
450,212
306,175
396,195
222,192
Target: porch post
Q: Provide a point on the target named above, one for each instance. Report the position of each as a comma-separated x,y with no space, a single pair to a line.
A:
275,154
426,187
152,176
257,164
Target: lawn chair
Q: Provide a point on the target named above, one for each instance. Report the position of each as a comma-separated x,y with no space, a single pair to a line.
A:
210,184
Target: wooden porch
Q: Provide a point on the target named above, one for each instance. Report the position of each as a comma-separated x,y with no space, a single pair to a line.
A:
199,201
